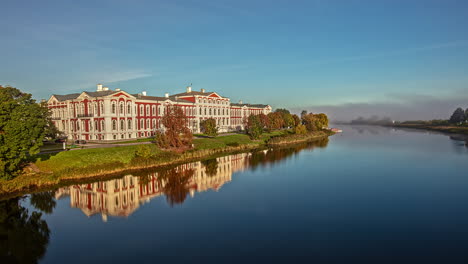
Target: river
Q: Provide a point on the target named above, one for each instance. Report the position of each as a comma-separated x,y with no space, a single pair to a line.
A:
369,193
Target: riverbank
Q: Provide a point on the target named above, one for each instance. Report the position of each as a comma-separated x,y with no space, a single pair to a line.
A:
446,129
55,169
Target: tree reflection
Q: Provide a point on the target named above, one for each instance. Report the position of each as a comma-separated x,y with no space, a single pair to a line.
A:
175,184
271,156
211,167
23,237
44,201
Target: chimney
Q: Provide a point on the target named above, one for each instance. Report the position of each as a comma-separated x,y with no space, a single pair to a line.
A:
99,87
166,95
117,89
202,90
105,88
143,93
189,89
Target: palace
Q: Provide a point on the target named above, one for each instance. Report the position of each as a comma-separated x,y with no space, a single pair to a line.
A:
115,114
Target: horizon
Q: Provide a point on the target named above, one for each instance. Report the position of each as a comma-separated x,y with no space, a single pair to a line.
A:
404,60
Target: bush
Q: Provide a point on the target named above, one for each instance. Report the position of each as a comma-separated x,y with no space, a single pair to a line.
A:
300,129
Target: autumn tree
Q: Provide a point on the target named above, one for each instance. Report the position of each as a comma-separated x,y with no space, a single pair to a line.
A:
297,120
209,127
300,129
176,132
265,121
22,129
314,122
276,120
254,127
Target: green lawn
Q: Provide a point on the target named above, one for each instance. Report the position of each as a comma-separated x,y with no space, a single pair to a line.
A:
85,157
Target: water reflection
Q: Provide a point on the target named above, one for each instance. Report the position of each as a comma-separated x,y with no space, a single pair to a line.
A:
121,197
24,236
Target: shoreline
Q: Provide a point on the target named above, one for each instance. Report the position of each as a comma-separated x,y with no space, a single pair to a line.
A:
445,129
46,180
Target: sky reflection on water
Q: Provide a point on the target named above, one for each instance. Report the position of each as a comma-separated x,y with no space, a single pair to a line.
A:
369,193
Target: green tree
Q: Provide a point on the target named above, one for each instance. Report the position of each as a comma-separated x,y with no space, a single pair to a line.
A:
22,129
458,116
254,127
300,129
321,120
209,127
303,113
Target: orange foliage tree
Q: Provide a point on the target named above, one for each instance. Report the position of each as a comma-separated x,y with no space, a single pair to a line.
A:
176,134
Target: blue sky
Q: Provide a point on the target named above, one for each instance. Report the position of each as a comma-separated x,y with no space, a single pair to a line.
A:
316,55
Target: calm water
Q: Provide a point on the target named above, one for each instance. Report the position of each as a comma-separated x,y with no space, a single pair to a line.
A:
368,193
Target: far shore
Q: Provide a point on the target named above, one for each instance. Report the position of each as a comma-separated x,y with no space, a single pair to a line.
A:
52,170
446,129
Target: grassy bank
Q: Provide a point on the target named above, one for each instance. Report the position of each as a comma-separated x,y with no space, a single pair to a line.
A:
446,129
48,170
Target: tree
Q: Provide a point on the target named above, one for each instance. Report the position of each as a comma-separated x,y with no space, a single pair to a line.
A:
297,120
282,110
265,121
176,134
321,120
22,129
303,113
314,122
300,129
458,116
466,115
254,127
209,127
276,120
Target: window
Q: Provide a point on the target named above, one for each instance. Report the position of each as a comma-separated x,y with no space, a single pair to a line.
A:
129,109
142,124
141,110
129,125
147,110
153,109
147,123
154,124
122,124
114,125
102,125
121,108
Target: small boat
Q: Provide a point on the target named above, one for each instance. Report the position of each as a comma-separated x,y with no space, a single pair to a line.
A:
336,130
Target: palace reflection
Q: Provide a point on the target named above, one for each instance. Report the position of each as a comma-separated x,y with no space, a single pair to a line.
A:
121,197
